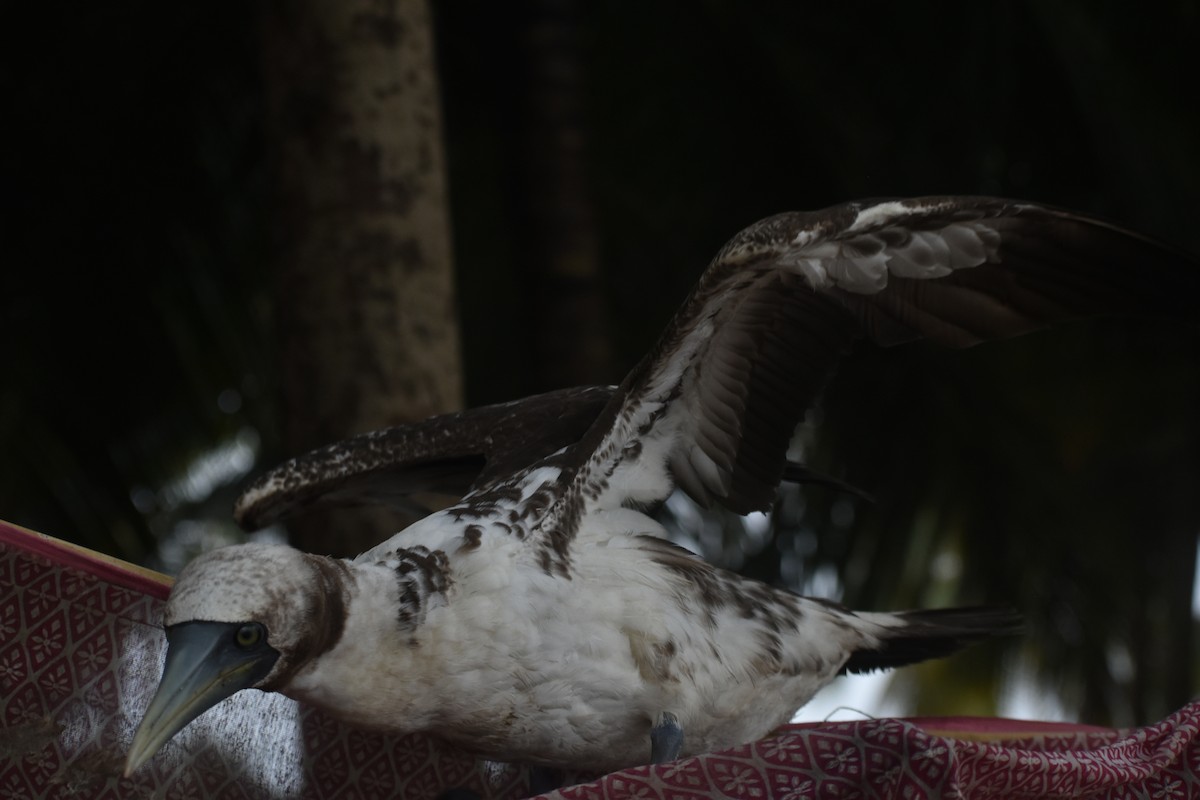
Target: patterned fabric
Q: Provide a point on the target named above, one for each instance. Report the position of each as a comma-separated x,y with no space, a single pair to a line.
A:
81,651
900,759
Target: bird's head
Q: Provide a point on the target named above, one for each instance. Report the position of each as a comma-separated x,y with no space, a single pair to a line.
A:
247,616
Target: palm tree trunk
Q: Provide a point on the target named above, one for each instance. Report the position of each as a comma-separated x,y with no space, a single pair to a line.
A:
365,291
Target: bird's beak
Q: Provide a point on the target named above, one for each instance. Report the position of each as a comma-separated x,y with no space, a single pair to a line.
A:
204,666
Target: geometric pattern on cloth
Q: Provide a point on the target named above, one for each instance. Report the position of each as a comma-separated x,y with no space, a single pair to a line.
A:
899,759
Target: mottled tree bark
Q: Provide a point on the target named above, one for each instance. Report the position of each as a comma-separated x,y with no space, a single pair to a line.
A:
365,295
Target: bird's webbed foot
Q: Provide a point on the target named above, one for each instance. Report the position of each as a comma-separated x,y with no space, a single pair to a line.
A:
666,738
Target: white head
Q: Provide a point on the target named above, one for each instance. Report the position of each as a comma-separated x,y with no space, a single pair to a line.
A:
247,616
299,599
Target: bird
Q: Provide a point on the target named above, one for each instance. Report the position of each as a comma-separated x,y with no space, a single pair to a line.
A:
543,617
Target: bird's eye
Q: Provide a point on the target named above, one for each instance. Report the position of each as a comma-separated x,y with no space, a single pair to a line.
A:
248,635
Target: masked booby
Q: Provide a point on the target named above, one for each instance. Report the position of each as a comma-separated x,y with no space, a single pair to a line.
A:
543,618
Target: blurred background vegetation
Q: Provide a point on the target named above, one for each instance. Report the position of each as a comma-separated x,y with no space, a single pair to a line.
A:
1059,473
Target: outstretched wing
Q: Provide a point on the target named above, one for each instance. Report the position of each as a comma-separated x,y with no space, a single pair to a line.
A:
446,454
711,408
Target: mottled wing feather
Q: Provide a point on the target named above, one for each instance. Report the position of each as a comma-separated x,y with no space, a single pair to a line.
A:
712,407
1051,265
448,453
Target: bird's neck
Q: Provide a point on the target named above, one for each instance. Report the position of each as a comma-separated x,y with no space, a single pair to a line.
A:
380,673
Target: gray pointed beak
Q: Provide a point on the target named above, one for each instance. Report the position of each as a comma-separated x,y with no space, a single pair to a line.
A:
205,664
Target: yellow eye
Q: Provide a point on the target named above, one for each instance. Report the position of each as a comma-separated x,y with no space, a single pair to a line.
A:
248,635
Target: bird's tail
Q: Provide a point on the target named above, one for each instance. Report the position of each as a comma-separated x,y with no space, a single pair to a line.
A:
907,637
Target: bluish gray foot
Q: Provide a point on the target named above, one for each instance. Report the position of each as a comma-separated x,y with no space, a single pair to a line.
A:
666,739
